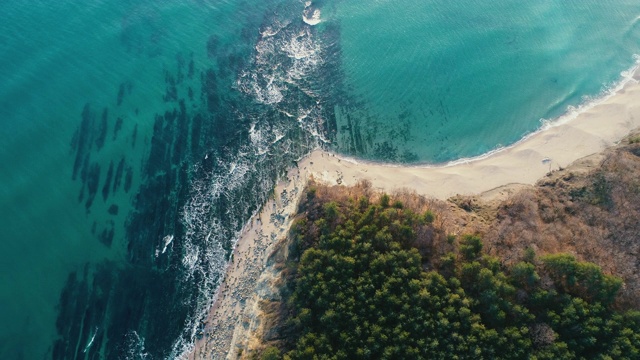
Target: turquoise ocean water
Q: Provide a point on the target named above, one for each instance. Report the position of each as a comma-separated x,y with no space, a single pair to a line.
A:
138,137
433,81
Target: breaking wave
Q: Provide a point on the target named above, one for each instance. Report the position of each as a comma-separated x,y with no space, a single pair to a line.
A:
285,122
311,15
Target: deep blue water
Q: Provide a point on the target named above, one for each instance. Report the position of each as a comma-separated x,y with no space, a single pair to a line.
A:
138,137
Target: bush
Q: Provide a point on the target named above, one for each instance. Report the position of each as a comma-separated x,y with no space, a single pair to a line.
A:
384,200
429,217
470,247
271,353
581,279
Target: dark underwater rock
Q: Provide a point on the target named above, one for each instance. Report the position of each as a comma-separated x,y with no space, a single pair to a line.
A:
118,177
82,139
171,91
101,131
212,46
210,90
113,209
93,180
107,182
128,179
107,234
117,127
134,136
121,91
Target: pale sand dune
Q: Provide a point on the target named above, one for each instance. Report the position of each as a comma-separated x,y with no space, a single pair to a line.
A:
233,317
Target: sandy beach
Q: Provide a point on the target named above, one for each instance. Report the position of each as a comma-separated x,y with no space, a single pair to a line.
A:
233,314
593,129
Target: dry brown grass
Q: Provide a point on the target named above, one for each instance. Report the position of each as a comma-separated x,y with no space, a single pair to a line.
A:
594,216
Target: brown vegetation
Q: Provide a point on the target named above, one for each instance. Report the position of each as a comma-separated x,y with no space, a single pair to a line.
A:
590,210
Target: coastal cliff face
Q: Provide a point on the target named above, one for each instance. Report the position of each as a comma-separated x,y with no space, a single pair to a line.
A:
587,212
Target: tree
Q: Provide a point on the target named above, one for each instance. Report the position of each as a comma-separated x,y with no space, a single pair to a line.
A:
360,291
271,353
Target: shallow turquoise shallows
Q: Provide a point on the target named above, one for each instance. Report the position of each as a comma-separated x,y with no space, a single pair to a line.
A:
441,80
138,136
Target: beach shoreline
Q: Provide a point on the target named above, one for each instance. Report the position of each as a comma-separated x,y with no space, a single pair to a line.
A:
592,130
227,320
552,147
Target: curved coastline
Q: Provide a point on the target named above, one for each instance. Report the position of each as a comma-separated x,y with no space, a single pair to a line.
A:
587,130
630,75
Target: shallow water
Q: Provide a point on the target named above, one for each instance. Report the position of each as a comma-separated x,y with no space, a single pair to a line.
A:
138,137
433,81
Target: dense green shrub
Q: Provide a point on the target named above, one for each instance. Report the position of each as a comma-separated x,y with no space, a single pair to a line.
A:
361,290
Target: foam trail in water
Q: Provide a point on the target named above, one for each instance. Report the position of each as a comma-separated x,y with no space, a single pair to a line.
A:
95,332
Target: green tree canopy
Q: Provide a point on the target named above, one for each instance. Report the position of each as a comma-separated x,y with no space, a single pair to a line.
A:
362,290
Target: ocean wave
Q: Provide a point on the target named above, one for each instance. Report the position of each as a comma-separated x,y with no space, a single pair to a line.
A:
135,347
311,15
571,113
284,58
204,258
314,19
274,27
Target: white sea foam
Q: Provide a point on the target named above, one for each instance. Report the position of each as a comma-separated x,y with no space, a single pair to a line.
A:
570,114
258,140
285,55
95,332
264,48
268,81
590,101
312,17
274,28
268,93
135,347
167,240
203,257
301,46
